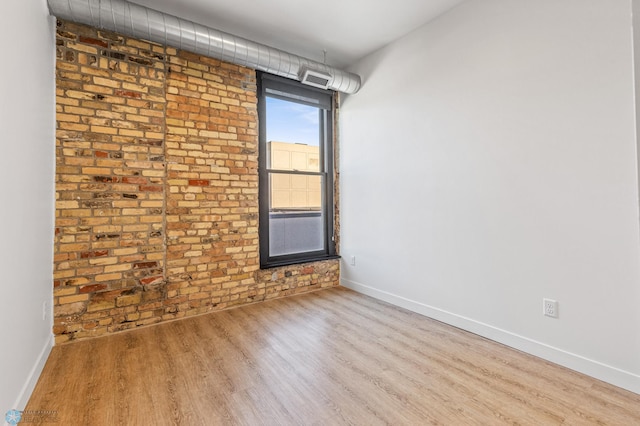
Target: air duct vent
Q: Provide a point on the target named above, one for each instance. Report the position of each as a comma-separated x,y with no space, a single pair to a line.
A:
314,78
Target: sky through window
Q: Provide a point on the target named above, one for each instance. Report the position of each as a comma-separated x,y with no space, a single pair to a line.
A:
292,122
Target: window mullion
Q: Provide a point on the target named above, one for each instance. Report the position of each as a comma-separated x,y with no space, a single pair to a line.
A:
296,172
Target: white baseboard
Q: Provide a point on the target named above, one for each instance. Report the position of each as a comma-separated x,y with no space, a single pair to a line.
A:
598,370
34,374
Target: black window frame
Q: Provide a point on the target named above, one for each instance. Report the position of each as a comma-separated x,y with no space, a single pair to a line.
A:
289,90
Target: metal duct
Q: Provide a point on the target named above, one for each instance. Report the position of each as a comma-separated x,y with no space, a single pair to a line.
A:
142,22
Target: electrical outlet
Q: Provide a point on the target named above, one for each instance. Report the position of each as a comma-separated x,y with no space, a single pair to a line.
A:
550,308
353,261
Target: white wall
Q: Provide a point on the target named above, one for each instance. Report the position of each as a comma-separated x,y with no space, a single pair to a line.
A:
635,5
27,196
490,161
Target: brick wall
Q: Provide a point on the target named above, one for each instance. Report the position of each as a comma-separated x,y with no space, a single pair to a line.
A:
157,187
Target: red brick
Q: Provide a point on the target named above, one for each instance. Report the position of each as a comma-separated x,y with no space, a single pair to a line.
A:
128,94
97,253
92,288
151,280
151,188
145,265
134,179
94,41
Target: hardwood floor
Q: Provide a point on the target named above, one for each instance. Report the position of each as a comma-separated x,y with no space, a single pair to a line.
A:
323,358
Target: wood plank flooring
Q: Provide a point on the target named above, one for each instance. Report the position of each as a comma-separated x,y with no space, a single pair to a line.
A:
331,357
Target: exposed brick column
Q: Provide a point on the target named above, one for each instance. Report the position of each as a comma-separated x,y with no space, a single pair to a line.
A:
109,247
212,200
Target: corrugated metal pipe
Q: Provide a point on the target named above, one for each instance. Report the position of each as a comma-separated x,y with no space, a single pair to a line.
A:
141,22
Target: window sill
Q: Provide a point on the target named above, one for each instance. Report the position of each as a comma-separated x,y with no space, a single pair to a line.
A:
289,262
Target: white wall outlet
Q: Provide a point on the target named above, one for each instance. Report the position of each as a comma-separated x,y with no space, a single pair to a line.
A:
353,261
550,308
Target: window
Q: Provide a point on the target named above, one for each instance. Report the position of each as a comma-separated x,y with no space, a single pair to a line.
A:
296,172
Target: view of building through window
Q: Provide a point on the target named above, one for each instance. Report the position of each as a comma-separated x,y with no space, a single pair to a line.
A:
293,191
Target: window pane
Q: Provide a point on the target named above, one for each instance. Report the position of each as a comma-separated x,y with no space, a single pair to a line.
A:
294,192
293,135
293,156
296,223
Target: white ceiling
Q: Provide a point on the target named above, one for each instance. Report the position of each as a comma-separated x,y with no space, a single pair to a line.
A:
346,29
